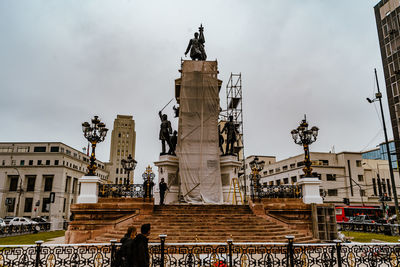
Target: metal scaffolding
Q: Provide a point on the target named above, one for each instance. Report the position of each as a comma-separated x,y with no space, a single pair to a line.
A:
234,108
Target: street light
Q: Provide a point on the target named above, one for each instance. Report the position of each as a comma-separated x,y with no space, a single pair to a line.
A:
305,137
256,167
94,133
128,165
378,97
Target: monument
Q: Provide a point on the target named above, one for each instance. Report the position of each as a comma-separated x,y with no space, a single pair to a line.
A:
196,173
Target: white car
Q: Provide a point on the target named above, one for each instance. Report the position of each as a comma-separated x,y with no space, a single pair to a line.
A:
21,221
2,222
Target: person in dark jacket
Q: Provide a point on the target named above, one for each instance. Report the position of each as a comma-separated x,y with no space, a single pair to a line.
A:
140,248
122,257
163,188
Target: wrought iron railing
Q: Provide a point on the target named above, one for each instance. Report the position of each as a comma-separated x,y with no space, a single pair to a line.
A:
380,228
121,190
228,254
23,229
280,191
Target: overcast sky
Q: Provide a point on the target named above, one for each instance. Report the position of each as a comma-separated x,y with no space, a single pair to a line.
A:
61,62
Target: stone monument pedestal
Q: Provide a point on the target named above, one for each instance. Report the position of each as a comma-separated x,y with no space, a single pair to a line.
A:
89,189
167,169
310,189
230,167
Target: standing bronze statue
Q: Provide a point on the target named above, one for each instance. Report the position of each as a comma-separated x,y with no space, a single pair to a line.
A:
196,46
221,140
231,131
174,142
165,131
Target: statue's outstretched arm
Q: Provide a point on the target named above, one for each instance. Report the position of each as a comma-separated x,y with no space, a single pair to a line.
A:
188,47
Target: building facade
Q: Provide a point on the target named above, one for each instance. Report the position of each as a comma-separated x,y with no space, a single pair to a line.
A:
30,172
387,16
344,175
123,142
380,153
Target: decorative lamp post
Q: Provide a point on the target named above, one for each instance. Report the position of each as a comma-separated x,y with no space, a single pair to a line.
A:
129,165
305,137
94,133
148,177
256,167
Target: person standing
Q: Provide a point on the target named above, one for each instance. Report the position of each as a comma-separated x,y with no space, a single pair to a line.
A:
140,249
163,188
122,256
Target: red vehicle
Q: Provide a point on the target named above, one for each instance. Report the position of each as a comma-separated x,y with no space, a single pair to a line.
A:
344,214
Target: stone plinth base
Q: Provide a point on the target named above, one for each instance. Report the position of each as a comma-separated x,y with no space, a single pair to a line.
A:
310,189
89,189
229,169
93,219
167,169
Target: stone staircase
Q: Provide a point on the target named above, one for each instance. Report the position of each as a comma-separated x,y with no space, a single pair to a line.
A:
208,223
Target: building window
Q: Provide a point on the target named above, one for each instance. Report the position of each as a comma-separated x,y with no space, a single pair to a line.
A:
39,149
31,183
30,162
283,168
271,171
294,179
325,162
67,182
278,182
22,162
388,187
13,162
13,183
292,166
362,193
54,149
6,149
48,183
39,162
74,185
360,177
391,69
28,204
4,162
301,163
277,169
395,89
385,30
10,202
119,135
46,204
116,171
331,177
56,162
286,180
332,192
23,149
358,163
388,49
374,186
65,204
47,162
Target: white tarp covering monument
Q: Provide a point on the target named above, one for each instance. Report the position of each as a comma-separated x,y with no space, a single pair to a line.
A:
198,150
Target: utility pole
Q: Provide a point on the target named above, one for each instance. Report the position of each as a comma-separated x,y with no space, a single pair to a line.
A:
396,202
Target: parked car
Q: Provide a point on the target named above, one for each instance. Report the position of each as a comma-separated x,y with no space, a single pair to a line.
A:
39,220
21,221
2,222
7,219
363,219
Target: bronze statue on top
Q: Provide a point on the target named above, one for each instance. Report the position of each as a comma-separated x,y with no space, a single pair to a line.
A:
231,131
196,46
165,131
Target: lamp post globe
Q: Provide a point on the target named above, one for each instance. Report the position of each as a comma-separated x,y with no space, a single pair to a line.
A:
129,165
95,132
305,137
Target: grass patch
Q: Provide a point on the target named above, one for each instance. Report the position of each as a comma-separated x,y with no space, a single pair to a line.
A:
30,239
367,237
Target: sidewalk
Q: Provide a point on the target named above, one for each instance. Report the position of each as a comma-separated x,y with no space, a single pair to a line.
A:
57,240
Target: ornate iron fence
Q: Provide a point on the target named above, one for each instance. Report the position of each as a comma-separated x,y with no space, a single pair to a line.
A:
23,229
58,255
121,190
280,191
227,254
381,228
